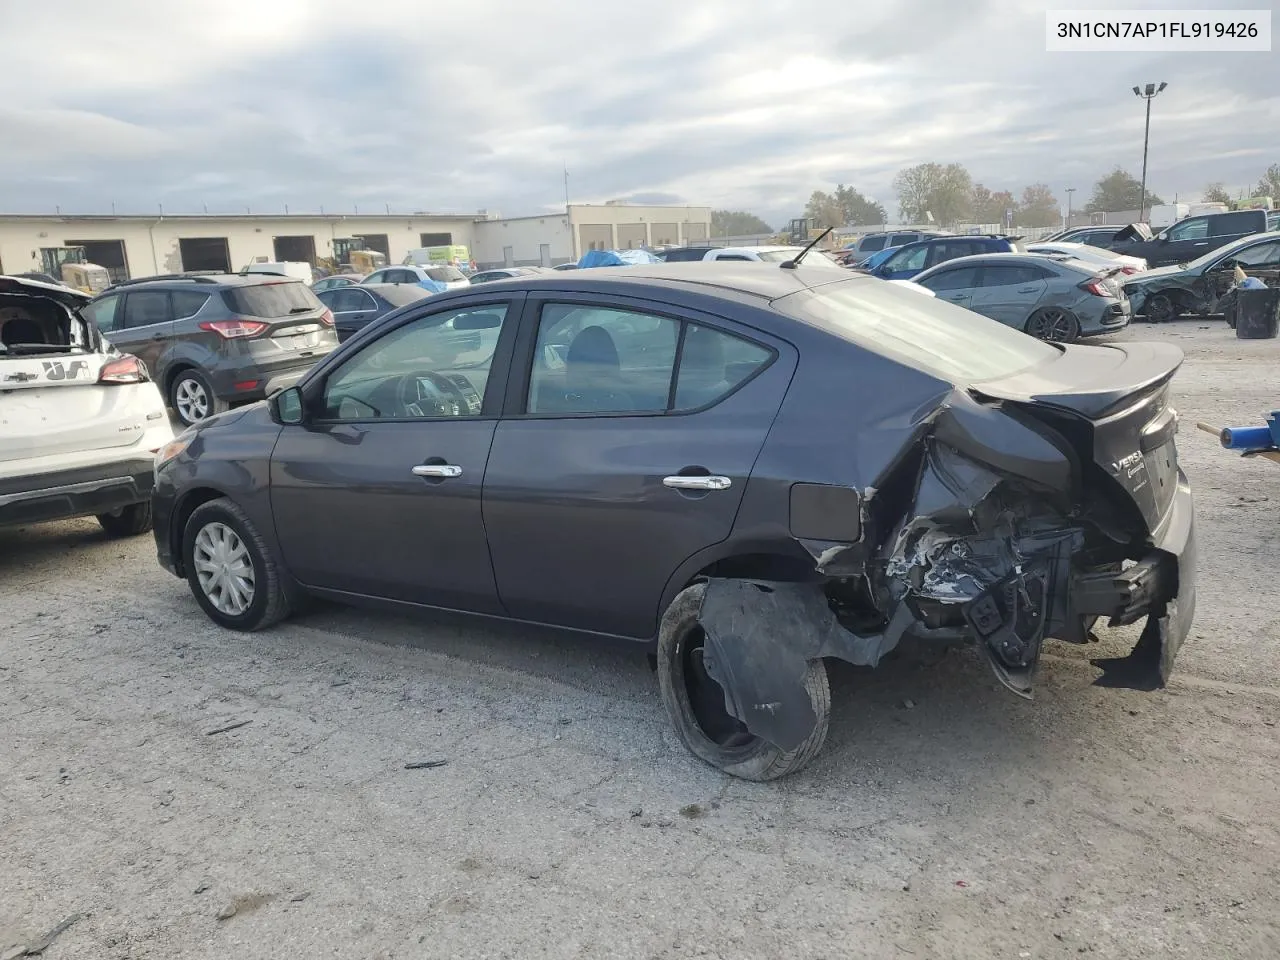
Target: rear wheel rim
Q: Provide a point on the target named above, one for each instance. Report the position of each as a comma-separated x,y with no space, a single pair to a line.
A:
191,399
1052,324
704,697
1160,309
223,568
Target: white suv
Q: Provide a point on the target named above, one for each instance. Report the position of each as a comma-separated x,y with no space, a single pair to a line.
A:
80,422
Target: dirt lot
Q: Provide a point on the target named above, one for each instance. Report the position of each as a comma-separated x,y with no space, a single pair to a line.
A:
944,819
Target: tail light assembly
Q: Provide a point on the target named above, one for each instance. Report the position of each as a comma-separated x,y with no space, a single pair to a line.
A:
234,329
327,317
1098,288
125,369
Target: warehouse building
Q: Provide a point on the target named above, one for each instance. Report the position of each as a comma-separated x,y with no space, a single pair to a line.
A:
139,246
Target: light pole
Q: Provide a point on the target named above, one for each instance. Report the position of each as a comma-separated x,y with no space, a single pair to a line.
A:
1147,93
1070,191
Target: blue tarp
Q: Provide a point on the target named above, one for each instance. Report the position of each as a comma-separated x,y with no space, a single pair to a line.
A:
616,258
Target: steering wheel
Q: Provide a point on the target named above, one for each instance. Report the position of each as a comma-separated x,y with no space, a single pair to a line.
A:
443,398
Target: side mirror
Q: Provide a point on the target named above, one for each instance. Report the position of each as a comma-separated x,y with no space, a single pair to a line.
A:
286,406
883,270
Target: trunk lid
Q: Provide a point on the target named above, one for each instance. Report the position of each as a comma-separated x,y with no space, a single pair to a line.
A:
54,404
1122,394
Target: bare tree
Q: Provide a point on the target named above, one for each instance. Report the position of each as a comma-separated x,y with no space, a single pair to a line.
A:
932,188
1039,207
1216,193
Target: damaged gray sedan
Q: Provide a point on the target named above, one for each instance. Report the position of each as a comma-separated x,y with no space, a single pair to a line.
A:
752,470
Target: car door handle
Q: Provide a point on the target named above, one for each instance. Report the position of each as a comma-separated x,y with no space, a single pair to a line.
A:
1201,243
1027,289
681,482
442,470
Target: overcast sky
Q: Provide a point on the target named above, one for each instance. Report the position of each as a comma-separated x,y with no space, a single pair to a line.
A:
457,106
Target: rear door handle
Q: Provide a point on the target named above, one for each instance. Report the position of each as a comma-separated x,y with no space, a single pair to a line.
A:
1202,243
443,470
1027,289
680,482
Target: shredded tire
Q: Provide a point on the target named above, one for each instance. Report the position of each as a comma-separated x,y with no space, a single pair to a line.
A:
759,760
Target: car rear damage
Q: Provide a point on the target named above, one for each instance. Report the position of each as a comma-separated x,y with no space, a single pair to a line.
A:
1014,514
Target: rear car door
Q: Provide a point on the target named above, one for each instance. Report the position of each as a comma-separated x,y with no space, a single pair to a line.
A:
611,467
955,285
144,326
378,493
1009,292
352,309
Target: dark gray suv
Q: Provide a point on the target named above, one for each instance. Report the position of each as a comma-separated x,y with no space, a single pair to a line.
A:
215,340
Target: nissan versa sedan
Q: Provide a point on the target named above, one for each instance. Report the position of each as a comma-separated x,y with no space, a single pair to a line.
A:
751,471
1050,297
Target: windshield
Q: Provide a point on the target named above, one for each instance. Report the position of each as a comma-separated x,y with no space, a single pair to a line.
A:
947,341
270,300
444,274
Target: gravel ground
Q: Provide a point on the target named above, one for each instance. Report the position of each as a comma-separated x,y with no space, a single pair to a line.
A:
945,818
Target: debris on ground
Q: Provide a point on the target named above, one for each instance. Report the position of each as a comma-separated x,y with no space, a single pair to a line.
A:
424,764
228,728
39,946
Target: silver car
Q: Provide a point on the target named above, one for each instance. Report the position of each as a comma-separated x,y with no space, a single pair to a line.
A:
1053,298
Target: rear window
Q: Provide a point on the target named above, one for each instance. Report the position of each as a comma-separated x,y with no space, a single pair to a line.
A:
444,274
950,342
871,244
1242,221
900,238
271,300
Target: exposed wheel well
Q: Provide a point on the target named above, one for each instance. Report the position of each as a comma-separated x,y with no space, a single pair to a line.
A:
181,514
761,566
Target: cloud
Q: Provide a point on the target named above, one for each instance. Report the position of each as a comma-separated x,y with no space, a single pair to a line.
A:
457,107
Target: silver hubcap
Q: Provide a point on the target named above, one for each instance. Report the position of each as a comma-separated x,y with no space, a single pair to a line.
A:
192,401
1053,325
223,568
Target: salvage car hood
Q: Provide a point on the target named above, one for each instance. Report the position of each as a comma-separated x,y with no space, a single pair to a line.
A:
67,296
1158,273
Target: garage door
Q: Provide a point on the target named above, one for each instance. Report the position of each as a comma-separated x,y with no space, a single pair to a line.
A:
205,253
596,236
377,241
105,253
667,234
295,249
631,236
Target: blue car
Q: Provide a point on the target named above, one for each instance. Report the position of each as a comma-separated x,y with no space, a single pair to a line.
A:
912,258
434,278
877,258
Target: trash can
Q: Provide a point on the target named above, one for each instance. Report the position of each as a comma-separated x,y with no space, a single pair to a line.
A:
1257,314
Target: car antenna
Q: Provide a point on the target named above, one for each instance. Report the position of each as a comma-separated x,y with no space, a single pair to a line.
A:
792,264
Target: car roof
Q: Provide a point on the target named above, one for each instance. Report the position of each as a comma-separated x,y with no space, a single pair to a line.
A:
69,296
995,258
207,279
731,279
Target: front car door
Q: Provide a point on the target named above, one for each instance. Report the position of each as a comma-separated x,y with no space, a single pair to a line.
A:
611,466
1183,242
954,285
378,492
1009,292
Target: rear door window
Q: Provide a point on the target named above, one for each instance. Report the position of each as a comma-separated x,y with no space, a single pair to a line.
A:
350,300
1234,224
143,308
1010,275
270,300
872,244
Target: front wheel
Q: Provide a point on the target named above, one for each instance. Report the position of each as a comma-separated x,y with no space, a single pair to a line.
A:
1054,324
1161,309
695,702
128,521
230,568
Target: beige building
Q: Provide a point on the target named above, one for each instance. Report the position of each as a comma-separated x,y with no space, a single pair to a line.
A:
139,246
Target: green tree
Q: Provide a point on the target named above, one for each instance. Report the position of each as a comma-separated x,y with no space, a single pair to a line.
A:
825,209
988,206
1216,193
946,192
1269,185
737,223
858,210
1039,207
1118,190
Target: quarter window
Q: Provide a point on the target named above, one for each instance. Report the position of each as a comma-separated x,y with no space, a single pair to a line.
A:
435,366
102,313
187,303
713,364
